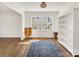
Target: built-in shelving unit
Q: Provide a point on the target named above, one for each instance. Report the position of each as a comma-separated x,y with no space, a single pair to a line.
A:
67,29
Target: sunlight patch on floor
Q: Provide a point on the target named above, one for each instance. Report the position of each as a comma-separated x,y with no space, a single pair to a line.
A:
34,40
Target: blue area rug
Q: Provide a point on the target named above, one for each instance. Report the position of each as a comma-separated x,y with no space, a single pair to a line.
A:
44,48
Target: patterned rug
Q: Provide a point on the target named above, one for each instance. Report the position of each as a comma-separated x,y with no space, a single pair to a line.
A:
44,48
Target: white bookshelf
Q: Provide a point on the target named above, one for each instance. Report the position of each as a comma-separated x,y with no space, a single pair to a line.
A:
69,30
66,29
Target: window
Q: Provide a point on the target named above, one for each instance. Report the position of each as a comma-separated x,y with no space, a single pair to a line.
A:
42,23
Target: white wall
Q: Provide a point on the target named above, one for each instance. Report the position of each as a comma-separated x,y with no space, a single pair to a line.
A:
10,23
42,13
76,31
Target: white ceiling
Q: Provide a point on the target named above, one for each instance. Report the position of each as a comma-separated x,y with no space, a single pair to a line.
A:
35,6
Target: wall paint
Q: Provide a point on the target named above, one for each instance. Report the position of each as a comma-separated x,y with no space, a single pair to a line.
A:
76,31
10,23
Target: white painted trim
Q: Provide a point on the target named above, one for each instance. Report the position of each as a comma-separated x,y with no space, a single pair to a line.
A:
76,52
23,25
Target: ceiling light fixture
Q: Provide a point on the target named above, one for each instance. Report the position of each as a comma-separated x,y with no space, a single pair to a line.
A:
43,5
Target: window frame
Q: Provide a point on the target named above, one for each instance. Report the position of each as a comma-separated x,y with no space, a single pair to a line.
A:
43,23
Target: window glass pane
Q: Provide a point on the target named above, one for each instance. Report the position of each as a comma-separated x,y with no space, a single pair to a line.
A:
41,23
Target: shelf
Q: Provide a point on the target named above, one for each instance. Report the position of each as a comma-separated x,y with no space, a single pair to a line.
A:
66,28
70,11
64,39
63,24
69,30
67,46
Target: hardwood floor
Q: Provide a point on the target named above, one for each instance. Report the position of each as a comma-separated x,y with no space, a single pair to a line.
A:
65,52
13,47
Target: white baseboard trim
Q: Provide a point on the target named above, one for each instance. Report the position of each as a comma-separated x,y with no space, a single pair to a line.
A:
64,44
76,52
